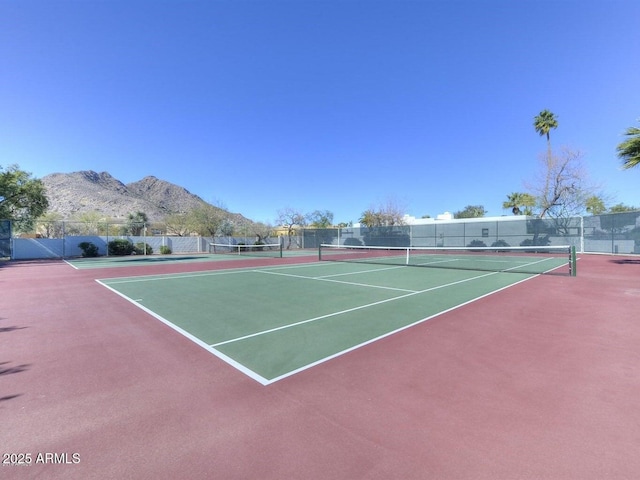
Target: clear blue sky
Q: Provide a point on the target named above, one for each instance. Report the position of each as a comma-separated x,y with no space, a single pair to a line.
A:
336,105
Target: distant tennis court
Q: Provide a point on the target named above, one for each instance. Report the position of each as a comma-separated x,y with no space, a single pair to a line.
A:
271,322
216,253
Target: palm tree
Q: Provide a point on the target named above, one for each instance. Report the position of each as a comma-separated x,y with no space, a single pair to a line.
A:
517,200
595,205
543,123
629,150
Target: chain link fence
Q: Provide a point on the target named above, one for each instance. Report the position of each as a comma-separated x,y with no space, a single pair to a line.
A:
614,233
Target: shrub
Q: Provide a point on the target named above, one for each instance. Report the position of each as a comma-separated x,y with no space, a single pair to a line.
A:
476,243
540,241
88,249
352,241
142,248
165,249
500,244
121,246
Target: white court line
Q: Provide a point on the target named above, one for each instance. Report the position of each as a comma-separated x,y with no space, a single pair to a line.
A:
334,314
393,332
522,265
71,264
250,373
325,279
373,270
254,375
207,273
213,273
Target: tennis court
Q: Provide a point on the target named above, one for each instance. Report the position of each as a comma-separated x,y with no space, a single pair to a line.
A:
217,252
524,376
272,322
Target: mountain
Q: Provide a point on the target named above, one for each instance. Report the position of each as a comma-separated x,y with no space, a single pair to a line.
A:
70,194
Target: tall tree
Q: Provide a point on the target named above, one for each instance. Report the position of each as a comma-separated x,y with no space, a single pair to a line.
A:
22,198
207,220
562,185
387,214
178,224
320,218
543,123
370,218
290,218
629,150
262,231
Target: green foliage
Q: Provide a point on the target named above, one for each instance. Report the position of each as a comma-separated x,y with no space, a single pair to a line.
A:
352,241
88,249
120,247
369,218
380,218
142,248
517,200
537,241
471,211
165,249
22,198
622,208
476,243
320,219
629,150
544,122
262,231
208,220
136,223
178,224
595,205
499,244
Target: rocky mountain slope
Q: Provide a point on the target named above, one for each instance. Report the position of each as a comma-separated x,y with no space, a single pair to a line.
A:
74,193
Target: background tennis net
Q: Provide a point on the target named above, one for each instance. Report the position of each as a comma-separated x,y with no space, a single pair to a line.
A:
536,260
264,250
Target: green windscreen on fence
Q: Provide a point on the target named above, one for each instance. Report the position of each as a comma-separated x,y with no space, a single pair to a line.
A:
5,239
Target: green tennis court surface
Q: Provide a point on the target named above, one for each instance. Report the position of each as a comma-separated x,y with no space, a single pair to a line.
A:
273,322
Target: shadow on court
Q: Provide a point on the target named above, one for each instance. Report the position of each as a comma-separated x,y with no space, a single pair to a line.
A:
10,397
627,261
11,329
15,369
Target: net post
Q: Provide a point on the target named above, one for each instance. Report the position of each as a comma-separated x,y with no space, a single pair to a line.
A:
320,252
572,260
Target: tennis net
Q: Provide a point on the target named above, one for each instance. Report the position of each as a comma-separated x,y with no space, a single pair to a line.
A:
533,260
260,250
